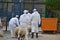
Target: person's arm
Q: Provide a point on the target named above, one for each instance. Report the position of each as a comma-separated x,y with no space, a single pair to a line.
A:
21,19
17,22
30,17
39,20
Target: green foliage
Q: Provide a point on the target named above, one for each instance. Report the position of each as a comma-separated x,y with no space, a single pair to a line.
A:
53,3
57,15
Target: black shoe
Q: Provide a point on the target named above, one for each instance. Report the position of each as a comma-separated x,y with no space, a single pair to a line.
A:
36,35
32,35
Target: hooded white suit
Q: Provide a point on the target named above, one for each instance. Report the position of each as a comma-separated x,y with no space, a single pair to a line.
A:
35,20
12,24
24,21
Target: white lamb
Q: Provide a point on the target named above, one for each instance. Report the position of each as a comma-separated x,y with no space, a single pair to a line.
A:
20,32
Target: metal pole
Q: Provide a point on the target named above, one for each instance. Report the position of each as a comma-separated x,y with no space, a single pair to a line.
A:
21,6
6,16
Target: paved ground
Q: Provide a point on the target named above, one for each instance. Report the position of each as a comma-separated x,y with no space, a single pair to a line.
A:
41,36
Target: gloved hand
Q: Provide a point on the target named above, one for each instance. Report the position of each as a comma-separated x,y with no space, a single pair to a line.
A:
39,25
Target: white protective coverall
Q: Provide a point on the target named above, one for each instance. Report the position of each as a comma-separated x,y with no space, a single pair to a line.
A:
24,21
35,20
12,24
29,15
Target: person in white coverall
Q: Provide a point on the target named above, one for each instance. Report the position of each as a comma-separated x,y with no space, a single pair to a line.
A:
29,16
35,20
12,24
24,21
29,25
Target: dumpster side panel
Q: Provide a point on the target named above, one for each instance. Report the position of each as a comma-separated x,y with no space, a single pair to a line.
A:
49,24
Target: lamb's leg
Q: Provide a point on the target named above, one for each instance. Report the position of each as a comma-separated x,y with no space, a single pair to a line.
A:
18,38
28,34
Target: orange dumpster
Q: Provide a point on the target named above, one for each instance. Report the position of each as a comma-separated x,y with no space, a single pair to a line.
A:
49,24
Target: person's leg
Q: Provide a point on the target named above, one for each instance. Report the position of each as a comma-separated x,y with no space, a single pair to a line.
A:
33,30
32,35
14,32
36,35
10,27
11,30
26,35
12,35
36,29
